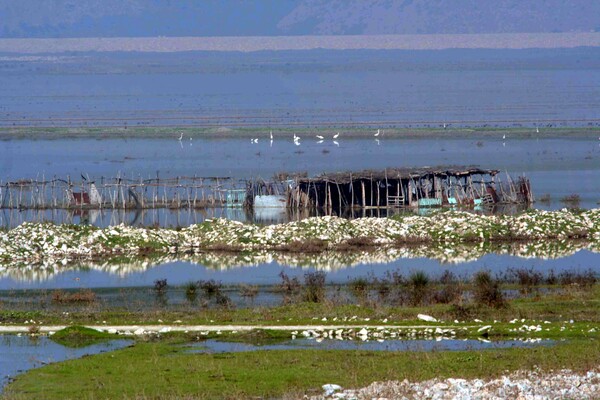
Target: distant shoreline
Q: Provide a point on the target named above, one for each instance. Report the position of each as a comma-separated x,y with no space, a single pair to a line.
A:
281,43
162,132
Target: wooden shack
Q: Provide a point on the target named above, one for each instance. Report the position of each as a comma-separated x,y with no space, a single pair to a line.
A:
404,187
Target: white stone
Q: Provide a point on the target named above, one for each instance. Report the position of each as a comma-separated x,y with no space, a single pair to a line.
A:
427,318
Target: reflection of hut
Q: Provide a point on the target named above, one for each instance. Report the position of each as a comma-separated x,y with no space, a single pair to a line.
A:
403,187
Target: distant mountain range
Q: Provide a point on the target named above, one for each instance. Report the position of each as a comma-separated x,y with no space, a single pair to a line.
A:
134,18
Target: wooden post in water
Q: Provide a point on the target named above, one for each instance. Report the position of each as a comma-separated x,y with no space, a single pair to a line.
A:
364,200
351,192
371,190
387,194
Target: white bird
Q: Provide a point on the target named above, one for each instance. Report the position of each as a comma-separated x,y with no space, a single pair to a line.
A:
445,126
297,142
377,134
336,135
320,137
336,143
255,140
504,136
180,136
271,133
537,130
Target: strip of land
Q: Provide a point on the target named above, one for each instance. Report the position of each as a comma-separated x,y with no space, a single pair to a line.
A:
393,129
38,242
278,43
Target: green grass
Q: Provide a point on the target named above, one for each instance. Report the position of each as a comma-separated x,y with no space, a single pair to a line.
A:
163,370
79,336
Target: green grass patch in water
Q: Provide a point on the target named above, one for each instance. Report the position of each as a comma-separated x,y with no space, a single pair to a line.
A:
80,336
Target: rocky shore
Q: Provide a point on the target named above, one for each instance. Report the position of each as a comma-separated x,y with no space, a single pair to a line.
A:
37,242
532,385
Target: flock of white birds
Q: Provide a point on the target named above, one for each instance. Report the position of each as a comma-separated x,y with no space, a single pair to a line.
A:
321,138
296,139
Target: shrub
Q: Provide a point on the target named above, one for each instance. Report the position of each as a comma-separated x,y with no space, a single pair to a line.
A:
418,283
33,330
223,300
211,288
551,278
451,290
394,286
191,292
81,296
248,291
584,280
528,279
359,287
289,287
487,291
571,200
160,286
545,199
314,287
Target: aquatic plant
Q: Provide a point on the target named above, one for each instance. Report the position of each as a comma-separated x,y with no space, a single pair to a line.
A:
160,286
78,297
487,291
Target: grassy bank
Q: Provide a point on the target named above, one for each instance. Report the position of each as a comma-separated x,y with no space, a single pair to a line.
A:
159,366
49,133
164,370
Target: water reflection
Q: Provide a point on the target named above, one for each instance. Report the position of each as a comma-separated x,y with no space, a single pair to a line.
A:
173,218
381,258
21,353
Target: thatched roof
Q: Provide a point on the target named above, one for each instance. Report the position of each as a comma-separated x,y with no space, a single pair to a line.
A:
401,173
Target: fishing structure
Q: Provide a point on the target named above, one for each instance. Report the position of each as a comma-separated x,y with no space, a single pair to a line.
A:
385,189
117,193
410,187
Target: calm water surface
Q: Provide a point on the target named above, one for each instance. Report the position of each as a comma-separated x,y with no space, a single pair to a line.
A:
215,346
180,272
21,353
558,167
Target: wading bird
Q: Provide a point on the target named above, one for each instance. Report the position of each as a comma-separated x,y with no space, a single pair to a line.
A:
336,135
320,137
180,136
377,134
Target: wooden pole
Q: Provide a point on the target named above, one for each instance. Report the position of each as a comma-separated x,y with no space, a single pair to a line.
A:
364,200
